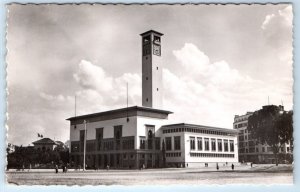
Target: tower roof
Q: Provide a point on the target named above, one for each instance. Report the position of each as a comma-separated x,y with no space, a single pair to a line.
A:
151,31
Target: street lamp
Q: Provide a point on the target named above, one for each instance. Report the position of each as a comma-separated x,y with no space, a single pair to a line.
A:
84,145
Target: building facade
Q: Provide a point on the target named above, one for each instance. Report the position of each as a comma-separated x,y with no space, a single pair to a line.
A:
44,144
193,145
136,137
252,151
122,138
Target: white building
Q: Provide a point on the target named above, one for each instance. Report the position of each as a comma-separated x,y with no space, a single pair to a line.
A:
194,145
136,136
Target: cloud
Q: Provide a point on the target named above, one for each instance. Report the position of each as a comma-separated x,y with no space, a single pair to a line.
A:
267,21
212,93
284,16
101,91
277,30
51,97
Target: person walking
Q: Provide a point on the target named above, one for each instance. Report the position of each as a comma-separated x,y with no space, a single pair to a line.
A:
217,166
232,166
56,168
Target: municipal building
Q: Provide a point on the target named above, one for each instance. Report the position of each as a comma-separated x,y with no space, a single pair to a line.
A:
138,136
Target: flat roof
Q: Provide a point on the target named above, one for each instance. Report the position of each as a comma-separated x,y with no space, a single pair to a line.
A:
151,31
120,111
203,127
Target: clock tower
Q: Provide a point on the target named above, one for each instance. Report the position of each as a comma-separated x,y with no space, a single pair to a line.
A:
151,69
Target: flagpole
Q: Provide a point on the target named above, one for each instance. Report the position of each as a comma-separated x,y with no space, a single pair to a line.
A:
84,145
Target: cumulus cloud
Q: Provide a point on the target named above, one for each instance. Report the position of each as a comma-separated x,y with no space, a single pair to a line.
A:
101,91
267,21
277,29
212,93
284,16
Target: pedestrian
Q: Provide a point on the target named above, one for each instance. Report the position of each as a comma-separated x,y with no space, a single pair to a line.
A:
217,166
107,167
232,166
56,168
251,164
187,165
23,167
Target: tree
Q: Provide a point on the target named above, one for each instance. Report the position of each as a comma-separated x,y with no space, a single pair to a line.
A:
271,126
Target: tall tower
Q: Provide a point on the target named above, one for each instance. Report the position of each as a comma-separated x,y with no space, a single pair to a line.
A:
151,69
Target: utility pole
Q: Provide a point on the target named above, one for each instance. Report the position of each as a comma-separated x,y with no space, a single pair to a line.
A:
84,145
127,101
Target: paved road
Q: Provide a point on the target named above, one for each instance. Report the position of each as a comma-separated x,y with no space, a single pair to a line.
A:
243,175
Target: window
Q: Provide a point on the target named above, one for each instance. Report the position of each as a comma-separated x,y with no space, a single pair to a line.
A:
231,145
150,139
287,149
206,144
199,143
177,143
192,143
99,137
128,144
220,145
168,143
225,145
142,142
213,144
157,144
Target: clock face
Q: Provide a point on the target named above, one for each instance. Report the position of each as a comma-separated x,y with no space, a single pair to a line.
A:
156,50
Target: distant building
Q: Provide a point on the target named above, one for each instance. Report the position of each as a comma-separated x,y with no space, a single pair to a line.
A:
44,144
136,137
249,149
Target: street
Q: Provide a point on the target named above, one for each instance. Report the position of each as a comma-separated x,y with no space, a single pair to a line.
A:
258,174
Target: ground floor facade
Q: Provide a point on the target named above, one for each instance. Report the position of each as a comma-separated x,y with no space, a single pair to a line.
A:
119,160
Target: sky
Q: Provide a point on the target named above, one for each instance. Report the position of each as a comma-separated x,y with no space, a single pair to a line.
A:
218,61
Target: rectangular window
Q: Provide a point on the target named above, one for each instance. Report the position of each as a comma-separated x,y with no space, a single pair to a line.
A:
168,143
99,137
231,145
142,142
177,143
213,144
157,144
225,145
199,143
192,143
220,145
206,144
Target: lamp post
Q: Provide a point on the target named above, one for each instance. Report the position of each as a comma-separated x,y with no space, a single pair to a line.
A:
84,145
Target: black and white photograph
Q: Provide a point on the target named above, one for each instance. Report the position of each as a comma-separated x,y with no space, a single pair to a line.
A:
149,94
